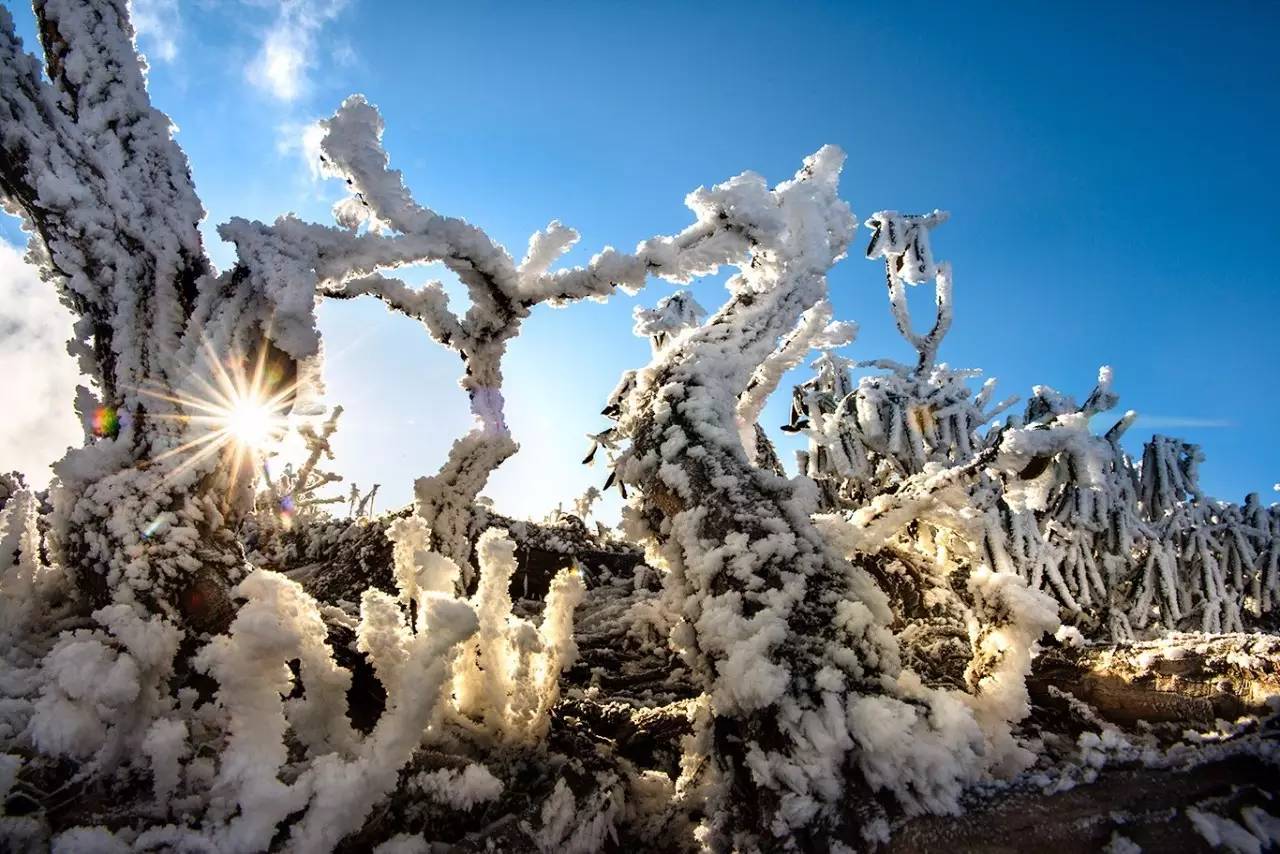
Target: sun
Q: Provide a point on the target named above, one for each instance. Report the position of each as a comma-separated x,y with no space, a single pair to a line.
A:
252,423
242,413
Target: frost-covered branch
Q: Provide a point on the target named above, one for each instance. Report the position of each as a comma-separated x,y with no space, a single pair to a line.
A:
815,329
290,498
429,304
903,241
345,262
509,676
348,774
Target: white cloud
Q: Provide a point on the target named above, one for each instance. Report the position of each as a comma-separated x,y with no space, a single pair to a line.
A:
301,139
343,54
158,24
288,48
39,376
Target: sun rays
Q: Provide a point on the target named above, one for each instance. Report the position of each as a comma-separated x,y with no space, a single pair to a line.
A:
230,410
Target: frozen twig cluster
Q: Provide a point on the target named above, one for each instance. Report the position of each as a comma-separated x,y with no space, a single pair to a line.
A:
1123,545
291,497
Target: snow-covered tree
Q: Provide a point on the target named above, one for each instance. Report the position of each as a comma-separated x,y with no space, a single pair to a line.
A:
808,703
177,356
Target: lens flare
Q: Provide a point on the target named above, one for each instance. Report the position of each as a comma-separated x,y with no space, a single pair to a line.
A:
154,528
106,422
286,511
229,410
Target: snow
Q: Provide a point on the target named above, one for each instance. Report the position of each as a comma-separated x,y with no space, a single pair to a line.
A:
460,789
404,843
1120,844
9,767
89,840
575,827
1069,636
100,690
929,745
417,566
1223,833
802,663
165,746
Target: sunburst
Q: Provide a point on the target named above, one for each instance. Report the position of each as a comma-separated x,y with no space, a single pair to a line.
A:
240,413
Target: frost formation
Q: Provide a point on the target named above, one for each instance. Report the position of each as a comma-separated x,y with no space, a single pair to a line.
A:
828,656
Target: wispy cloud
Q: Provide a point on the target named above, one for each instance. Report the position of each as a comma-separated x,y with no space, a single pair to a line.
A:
159,26
288,51
40,378
301,139
1186,421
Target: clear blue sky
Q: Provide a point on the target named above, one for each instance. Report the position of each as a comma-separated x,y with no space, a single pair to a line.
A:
1110,173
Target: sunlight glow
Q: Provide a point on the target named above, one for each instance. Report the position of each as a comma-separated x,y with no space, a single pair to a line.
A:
241,413
251,423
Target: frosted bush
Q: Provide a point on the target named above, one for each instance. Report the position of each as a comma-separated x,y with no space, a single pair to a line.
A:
347,774
508,677
1124,546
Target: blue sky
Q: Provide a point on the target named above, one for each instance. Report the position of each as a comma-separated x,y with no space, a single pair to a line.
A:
1109,172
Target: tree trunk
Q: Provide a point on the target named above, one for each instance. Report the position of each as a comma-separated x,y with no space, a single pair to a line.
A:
146,512
765,604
